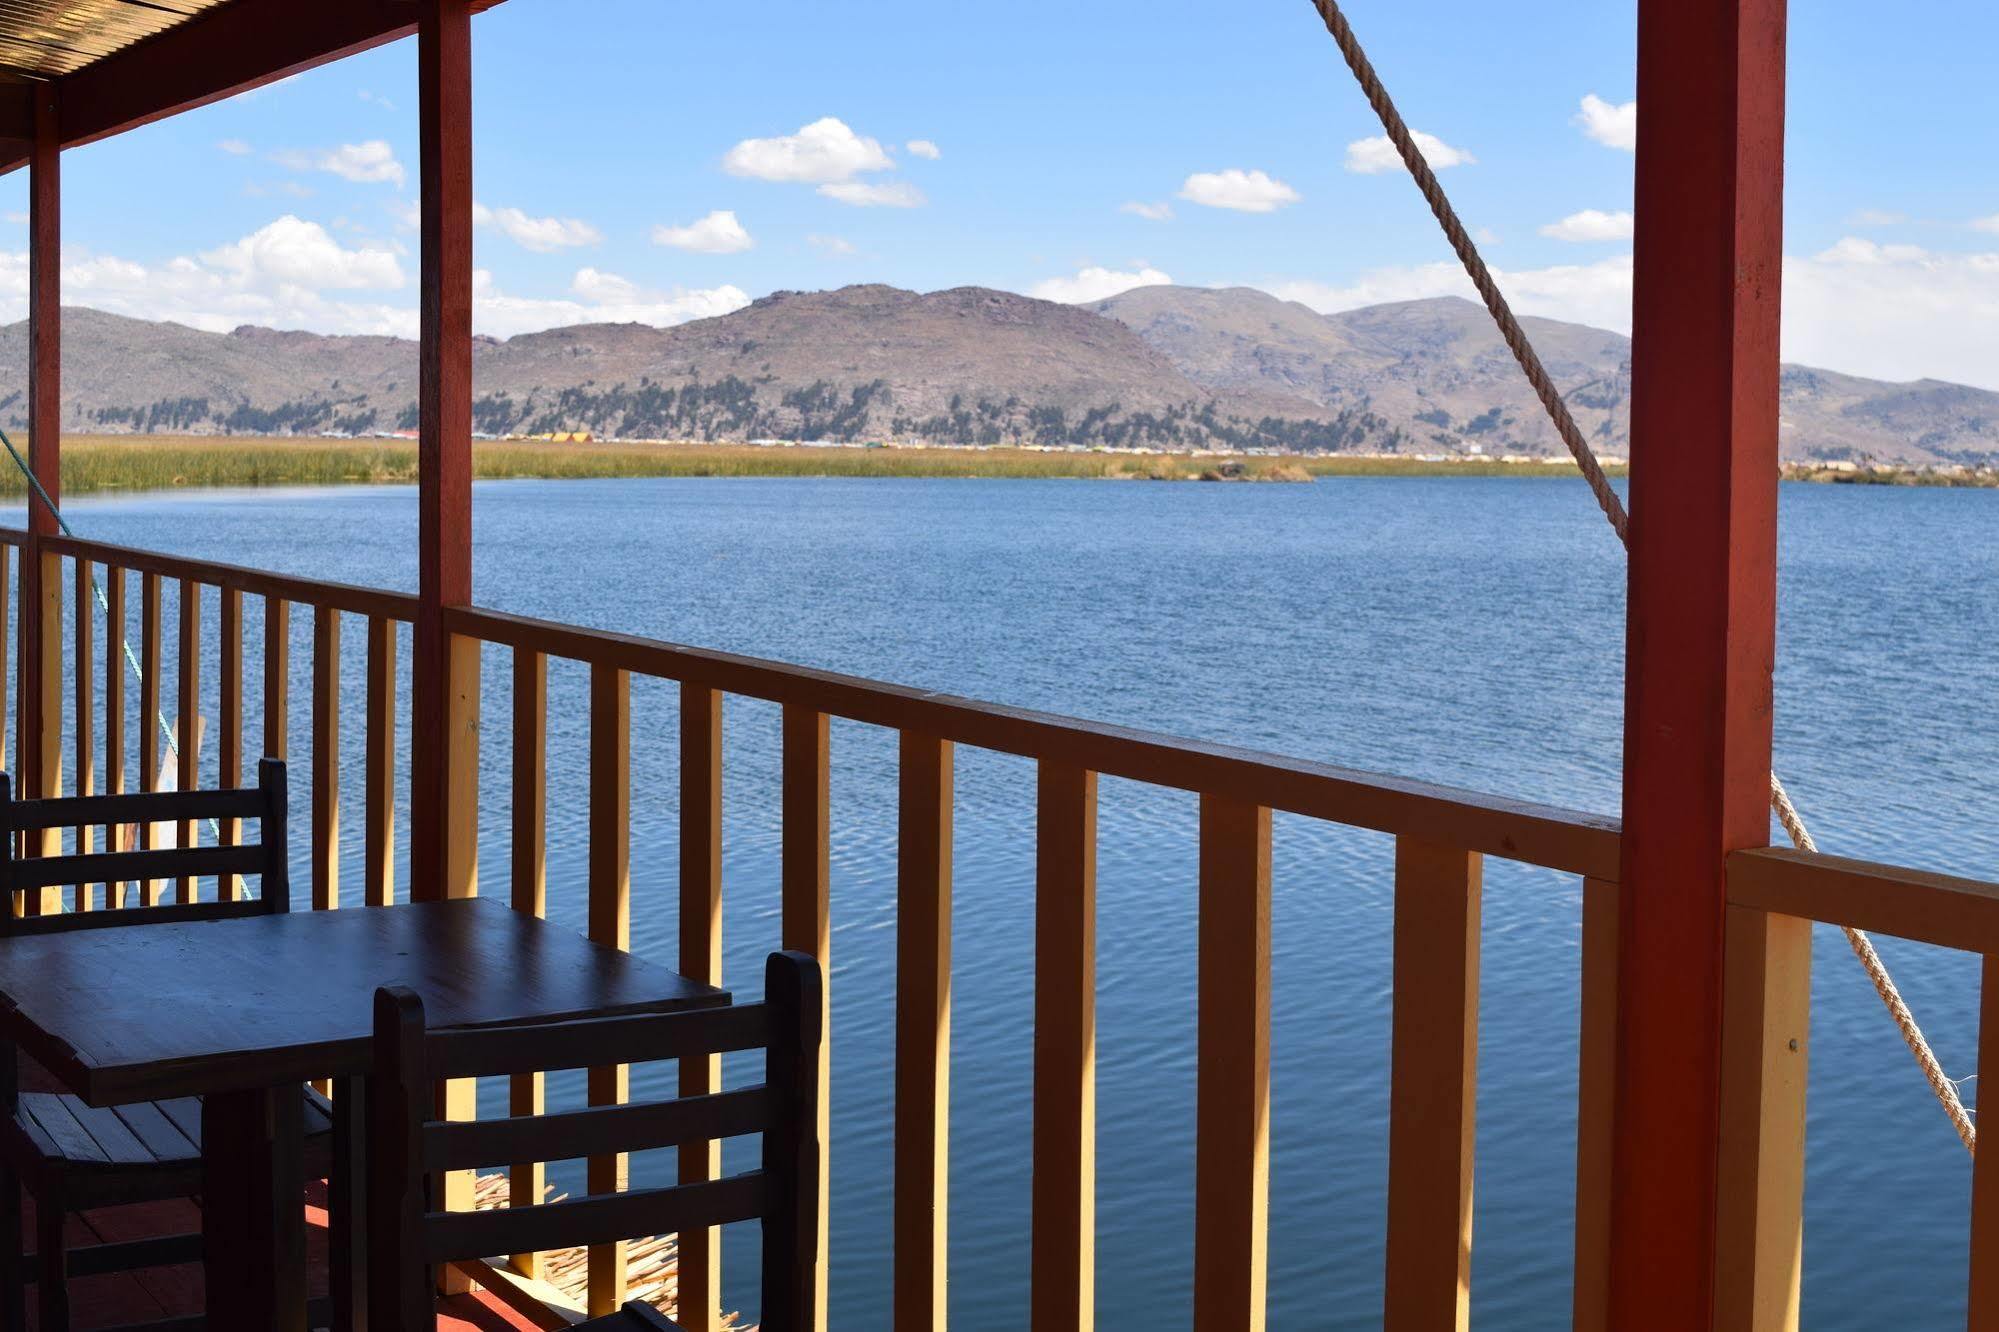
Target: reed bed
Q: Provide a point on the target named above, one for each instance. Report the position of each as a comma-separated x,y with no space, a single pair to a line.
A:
98,463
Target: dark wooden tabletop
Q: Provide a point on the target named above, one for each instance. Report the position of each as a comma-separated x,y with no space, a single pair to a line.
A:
156,1011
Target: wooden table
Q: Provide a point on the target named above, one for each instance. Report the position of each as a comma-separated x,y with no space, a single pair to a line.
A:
241,1012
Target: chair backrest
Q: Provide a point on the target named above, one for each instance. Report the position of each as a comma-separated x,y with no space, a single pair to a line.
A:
147,869
407,1145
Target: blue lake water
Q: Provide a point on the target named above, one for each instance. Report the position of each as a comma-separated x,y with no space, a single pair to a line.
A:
1466,631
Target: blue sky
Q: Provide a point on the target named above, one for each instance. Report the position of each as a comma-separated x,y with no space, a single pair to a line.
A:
667,159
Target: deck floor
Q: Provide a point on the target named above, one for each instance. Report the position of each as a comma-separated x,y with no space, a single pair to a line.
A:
165,1292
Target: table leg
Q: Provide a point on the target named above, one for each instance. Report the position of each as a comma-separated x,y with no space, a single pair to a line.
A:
347,1205
253,1210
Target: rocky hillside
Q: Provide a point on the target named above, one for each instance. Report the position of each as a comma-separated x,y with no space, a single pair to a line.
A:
1170,367
1438,370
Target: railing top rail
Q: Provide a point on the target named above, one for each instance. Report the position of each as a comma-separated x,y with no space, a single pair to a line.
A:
1563,839
257,582
1881,899
13,536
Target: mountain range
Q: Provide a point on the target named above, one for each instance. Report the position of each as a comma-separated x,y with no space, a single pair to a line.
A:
1171,367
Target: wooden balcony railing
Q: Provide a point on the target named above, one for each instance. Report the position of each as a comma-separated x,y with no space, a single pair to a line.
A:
1442,836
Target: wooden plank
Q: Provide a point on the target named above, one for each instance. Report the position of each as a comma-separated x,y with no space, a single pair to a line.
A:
525,1179
1984,1297
43,776
40,754
150,657
807,920
1533,834
1701,615
1940,909
187,774
325,758
1433,1086
700,1307
1063,1249
253,582
1766,1022
1595,1105
444,428
1232,1077
922,1031
379,872
114,710
6,606
83,653
229,763
277,677
610,914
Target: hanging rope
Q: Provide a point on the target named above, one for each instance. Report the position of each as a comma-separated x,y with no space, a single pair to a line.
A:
131,658
1613,507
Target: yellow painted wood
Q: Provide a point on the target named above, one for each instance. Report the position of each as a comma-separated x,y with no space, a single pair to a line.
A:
461,813
525,1179
83,655
1984,1299
1232,1076
1063,1248
610,914
1765,1044
277,677
150,658
807,924
700,1308
229,769
187,773
379,850
325,758
1596,1098
1433,1087
922,1031
114,708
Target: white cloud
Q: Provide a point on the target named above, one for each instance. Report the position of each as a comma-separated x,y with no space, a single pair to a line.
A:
1612,125
1372,157
543,235
1894,312
1151,212
1235,188
1986,223
376,99
1591,224
596,297
1096,284
296,253
18,219
235,147
822,152
293,274
1879,217
836,245
870,194
372,162
407,213
924,149
717,233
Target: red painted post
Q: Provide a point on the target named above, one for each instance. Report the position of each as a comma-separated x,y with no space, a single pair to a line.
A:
41,593
439,776
1701,632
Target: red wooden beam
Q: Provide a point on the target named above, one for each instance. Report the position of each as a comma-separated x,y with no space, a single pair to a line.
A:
39,705
1701,632
226,50
444,401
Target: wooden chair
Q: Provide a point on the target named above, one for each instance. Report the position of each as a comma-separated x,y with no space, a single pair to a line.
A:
71,1156
406,1145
